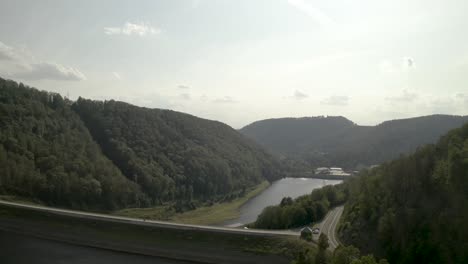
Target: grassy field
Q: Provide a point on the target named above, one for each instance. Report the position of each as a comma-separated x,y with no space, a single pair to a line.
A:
201,245
218,213
207,215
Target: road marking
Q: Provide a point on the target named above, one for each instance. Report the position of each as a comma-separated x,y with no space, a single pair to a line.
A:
329,224
332,230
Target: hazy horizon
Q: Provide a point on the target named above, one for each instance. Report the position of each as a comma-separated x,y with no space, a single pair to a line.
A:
242,61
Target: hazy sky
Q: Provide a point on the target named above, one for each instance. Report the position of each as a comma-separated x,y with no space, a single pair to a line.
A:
240,61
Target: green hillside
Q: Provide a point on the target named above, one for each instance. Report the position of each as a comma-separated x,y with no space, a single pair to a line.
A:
173,155
47,154
414,209
109,155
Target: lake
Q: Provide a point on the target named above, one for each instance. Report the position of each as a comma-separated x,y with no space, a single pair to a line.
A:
292,187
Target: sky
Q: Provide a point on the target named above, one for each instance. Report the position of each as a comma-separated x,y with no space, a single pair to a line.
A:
238,61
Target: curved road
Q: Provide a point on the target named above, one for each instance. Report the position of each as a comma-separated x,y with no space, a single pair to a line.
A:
137,221
329,224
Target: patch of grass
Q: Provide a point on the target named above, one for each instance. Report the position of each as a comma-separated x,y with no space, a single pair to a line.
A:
206,215
220,212
164,212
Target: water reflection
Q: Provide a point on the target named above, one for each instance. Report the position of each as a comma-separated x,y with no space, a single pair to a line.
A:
292,187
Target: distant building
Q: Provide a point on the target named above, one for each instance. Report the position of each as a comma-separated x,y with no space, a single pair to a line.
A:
322,170
306,233
332,171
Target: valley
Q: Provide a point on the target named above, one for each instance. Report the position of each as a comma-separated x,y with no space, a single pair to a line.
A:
117,175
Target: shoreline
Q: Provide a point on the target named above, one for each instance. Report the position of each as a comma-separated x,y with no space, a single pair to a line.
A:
215,214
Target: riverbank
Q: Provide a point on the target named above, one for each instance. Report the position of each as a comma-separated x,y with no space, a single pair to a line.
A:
207,215
174,243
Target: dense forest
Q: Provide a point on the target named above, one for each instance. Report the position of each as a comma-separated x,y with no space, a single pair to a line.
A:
47,153
335,141
413,209
109,155
173,155
303,210
410,210
341,255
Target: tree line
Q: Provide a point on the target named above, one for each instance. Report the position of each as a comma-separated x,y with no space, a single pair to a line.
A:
341,255
303,210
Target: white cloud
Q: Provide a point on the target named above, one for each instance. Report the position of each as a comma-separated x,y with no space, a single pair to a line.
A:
117,75
225,100
6,52
185,96
139,29
298,95
408,64
18,65
51,71
336,100
311,11
389,66
405,97
462,97
195,3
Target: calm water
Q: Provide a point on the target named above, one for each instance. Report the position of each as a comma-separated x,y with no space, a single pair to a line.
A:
292,187
18,249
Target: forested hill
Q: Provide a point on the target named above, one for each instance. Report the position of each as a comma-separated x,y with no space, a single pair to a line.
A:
175,155
108,155
336,141
414,209
290,136
47,154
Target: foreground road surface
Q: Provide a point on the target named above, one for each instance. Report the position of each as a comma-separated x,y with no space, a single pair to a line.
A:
161,224
329,224
20,249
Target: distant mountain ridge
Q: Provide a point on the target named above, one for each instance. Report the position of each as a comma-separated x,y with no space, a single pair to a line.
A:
337,141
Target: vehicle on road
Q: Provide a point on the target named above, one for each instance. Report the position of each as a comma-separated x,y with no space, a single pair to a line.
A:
316,231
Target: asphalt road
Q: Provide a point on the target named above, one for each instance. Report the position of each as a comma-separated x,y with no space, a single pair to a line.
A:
160,224
20,249
329,224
